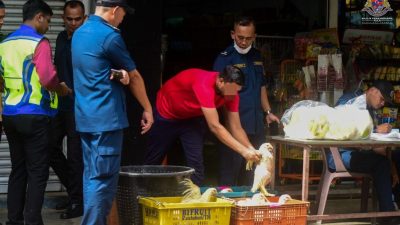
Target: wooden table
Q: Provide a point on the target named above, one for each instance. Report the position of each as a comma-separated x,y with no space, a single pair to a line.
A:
307,145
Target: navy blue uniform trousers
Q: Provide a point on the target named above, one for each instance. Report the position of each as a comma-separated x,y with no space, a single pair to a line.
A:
379,168
165,133
102,158
232,166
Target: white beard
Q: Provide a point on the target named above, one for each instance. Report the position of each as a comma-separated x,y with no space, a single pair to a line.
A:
241,50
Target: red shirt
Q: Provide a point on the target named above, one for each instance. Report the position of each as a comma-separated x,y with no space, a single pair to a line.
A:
183,95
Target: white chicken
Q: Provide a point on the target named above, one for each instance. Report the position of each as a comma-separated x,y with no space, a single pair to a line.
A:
257,200
192,194
264,169
284,198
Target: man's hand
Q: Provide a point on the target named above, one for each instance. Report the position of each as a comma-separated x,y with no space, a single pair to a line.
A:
272,118
252,155
383,128
63,89
147,121
121,75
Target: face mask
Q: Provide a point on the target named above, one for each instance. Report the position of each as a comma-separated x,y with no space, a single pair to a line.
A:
241,50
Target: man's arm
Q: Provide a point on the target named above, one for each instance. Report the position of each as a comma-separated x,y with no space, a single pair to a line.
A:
211,116
46,70
270,117
235,128
138,89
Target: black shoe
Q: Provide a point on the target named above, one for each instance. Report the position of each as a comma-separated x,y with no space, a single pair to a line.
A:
62,205
74,210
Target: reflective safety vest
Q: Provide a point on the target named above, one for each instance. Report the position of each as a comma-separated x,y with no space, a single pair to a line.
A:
23,93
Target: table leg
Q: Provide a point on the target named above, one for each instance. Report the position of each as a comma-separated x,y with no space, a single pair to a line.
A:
306,174
273,171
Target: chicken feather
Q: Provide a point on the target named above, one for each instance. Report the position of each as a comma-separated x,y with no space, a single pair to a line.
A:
264,169
193,194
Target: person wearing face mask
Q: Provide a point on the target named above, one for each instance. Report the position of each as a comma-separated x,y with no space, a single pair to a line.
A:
30,101
186,104
101,67
254,107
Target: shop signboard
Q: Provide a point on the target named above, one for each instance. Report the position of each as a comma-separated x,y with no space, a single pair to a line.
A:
367,36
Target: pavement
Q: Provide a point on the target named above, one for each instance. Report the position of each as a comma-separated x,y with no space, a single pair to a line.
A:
343,198
49,214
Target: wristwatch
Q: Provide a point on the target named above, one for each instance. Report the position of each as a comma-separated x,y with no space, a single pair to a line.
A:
266,113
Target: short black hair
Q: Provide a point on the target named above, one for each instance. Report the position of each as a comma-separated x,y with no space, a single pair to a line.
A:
73,4
232,74
32,7
243,21
2,6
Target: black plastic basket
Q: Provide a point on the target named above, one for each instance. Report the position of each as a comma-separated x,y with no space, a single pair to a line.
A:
147,181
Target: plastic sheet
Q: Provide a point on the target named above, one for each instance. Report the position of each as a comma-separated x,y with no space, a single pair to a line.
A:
316,120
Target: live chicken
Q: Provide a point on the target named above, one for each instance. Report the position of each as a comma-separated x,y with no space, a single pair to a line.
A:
264,169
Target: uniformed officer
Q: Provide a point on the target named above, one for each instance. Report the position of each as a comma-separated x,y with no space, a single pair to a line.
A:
100,106
254,107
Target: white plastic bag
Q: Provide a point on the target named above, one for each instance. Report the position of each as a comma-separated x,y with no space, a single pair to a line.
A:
316,120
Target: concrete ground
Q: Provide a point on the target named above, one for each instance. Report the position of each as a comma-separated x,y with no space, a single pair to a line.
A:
50,215
343,198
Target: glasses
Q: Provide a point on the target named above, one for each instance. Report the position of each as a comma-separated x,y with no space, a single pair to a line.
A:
242,38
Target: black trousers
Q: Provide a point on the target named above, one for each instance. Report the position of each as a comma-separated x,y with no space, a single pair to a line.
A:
379,167
28,140
69,170
166,132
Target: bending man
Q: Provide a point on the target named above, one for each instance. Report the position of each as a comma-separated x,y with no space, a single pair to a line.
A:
186,104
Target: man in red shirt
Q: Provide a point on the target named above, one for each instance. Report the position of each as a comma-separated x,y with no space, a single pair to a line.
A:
189,101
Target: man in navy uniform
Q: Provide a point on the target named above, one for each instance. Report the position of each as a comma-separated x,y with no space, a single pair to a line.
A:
254,108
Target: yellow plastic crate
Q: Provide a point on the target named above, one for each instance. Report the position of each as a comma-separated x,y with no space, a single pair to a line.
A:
170,211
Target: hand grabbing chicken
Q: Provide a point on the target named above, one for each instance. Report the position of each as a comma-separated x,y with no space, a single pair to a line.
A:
192,193
264,169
